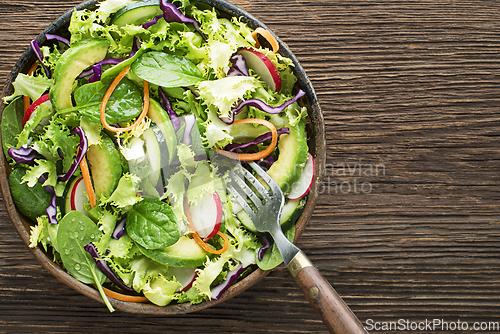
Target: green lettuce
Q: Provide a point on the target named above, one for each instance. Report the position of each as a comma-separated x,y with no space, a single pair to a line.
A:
28,85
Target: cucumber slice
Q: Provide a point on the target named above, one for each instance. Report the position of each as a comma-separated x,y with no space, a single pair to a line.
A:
137,13
157,154
74,196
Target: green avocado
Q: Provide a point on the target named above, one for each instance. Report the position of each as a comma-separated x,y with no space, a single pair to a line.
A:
293,151
185,253
70,65
106,167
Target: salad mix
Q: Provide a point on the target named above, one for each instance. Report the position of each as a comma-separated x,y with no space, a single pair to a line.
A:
121,138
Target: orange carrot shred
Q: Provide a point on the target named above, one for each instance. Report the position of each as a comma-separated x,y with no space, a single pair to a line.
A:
198,239
110,90
268,36
258,155
124,298
88,182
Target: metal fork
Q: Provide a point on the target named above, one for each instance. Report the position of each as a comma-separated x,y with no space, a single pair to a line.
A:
264,210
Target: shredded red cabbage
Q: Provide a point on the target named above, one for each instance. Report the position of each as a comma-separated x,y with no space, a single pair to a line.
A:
172,14
260,139
119,229
51,210
51,37
152,22
103,266
97,69
261,105
24,155
231,277
167,106
266,244
240,64
39,55
84,145
190,121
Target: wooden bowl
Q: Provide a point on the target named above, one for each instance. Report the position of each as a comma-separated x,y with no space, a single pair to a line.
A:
316,142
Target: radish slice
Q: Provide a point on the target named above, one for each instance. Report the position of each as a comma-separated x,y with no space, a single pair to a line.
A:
185,276
206,216
264,68
304,183
42,99
79,196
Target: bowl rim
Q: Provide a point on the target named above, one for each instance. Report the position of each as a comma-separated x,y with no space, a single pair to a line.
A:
318,141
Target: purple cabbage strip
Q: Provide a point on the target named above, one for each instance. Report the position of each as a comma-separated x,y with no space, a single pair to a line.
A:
230,278
266,108
84,145
39,55
233,72
24,155
103,266
119,229
172,14
190,121
266,162
240,64
152,22
97,69
167,106
51,210
260,139
266,244
51,37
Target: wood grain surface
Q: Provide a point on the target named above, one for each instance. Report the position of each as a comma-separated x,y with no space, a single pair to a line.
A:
407,226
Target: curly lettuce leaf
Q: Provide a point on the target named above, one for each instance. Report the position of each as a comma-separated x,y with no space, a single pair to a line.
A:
40,168
160,291
32,86
226,92
125,193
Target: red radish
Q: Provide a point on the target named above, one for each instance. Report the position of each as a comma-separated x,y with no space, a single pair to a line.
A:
33,106
185,276
79,196
264,68
206,216
305,181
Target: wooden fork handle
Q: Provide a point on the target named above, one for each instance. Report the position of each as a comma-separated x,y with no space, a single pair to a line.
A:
334,312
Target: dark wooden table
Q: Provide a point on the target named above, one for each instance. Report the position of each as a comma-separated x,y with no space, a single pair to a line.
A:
406,227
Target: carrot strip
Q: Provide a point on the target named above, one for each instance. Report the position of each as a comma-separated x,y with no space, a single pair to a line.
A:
124,298
88,182
258,155
268,36
110,90
198,239
26,99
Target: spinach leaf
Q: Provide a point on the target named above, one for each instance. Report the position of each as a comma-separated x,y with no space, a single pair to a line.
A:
124,104
152,224
12,124
272,257
75,231
31,201
166,70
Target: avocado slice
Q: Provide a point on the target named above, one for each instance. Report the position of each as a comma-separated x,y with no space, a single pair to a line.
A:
292,157
104,160
184,253
70,65
161,118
